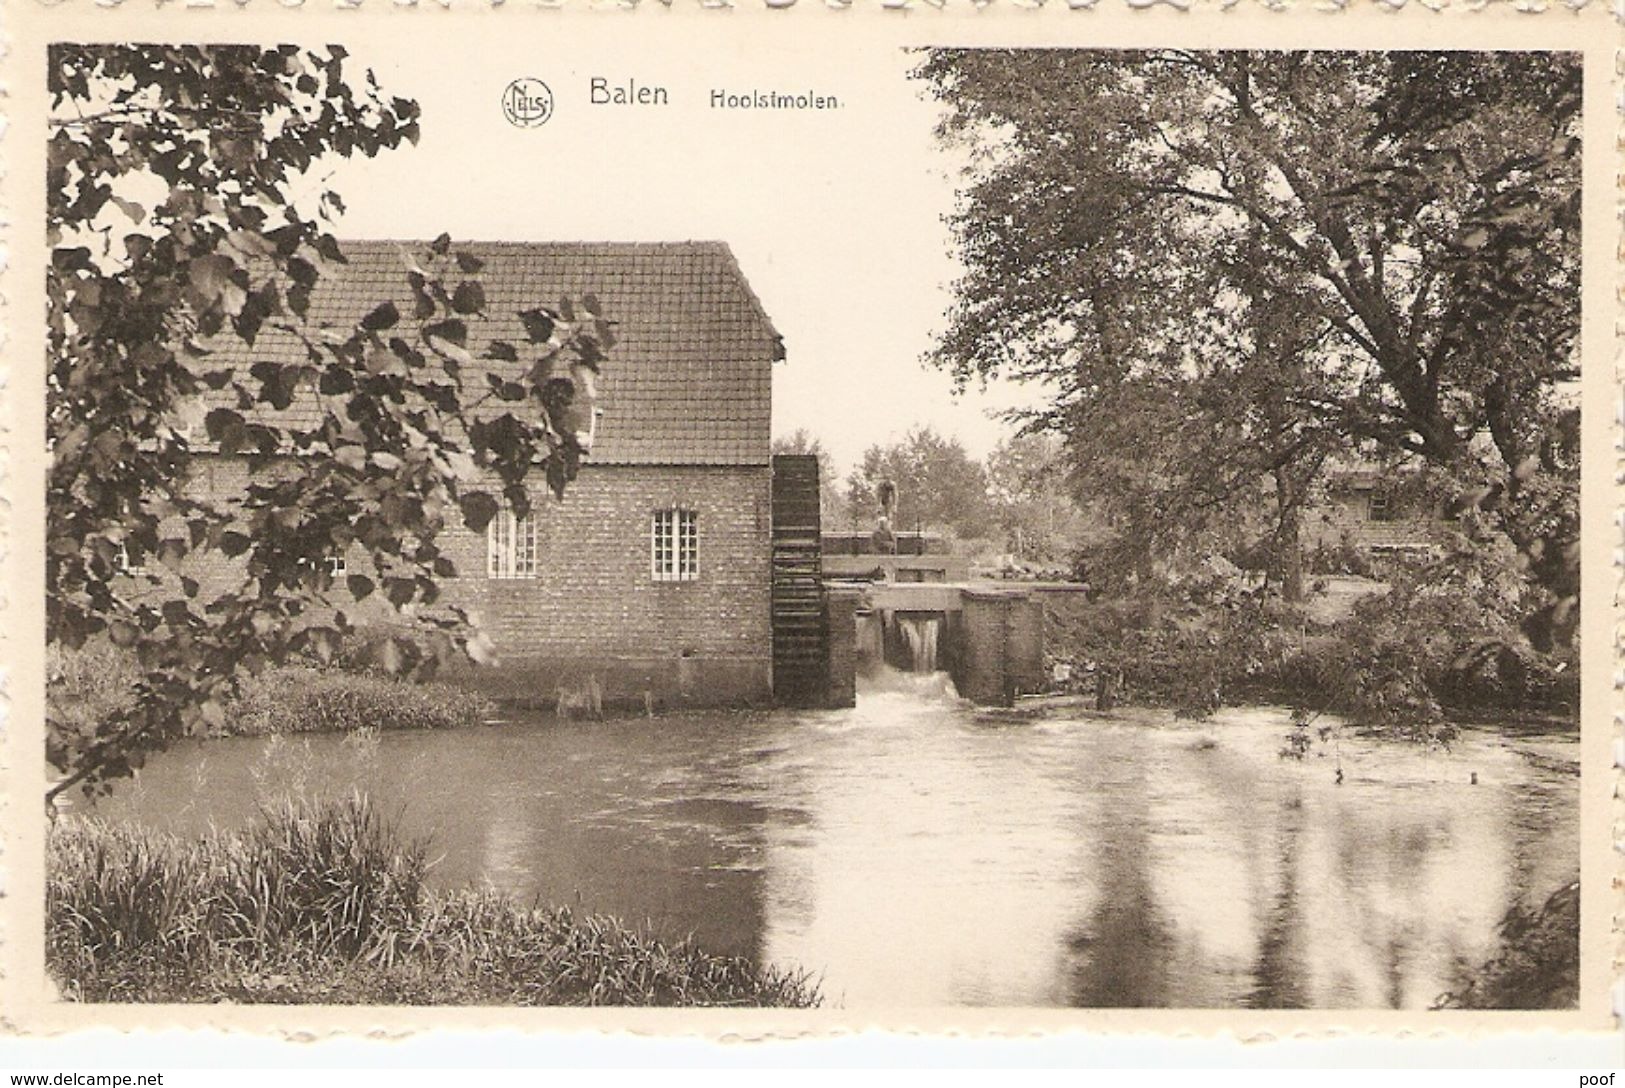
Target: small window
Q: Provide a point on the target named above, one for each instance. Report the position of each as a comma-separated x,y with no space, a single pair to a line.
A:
1381,507
510,546
674,546
125,566
334,565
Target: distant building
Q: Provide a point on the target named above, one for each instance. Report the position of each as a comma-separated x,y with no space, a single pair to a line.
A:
1364,508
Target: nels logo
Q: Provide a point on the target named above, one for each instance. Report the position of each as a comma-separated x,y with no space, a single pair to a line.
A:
527,103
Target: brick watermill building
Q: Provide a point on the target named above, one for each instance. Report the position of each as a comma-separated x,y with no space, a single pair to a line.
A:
684,564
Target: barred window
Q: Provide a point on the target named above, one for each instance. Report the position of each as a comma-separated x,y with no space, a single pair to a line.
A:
510,546
334,565
128,566
674,546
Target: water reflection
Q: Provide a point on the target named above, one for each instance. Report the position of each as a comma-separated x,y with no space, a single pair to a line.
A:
916,851
921,879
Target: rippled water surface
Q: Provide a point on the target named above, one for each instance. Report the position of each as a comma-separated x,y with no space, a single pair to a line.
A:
915,850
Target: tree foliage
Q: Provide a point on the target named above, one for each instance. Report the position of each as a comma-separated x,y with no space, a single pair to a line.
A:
179,238
940,488
1033,499
1228,264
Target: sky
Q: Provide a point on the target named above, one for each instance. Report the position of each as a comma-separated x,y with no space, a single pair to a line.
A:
835,216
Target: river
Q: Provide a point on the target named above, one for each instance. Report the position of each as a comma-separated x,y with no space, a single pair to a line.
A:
917,851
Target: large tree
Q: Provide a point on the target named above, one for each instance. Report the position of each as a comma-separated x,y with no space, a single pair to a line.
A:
1412,220
184,226
1206,448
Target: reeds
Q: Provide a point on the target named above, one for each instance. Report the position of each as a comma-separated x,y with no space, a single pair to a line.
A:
98,682
302,700
327,903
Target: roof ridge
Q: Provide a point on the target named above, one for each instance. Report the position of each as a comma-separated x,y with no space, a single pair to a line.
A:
694,245
689,381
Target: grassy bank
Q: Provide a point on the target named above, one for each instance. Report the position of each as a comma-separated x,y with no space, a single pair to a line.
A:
327,904
302,700
98,682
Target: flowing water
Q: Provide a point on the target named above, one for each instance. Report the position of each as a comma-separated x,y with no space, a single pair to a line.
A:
920,635
915,850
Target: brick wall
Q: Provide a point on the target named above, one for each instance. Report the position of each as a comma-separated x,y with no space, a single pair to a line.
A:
594,609
998,647
1348,514
840,615
593,614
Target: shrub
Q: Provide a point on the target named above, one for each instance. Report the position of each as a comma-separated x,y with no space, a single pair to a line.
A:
1343,557
1446,634
88,686
302,700
96,683
1538,965
1193,647
327,903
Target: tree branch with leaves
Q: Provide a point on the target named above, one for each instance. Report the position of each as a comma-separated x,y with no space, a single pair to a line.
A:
183,233
1415,214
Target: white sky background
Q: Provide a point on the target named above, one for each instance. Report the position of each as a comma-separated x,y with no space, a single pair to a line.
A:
835,216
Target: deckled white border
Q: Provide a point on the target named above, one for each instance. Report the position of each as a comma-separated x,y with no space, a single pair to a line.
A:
8,580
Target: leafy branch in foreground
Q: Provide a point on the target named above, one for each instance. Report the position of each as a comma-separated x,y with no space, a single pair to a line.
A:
182,243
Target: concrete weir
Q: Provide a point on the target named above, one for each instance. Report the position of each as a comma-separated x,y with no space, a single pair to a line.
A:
989,639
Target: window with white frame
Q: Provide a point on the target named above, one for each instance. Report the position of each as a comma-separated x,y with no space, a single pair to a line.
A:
333,565
128,566
510,546
674,545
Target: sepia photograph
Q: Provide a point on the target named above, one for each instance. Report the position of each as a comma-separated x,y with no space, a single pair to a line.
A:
955,525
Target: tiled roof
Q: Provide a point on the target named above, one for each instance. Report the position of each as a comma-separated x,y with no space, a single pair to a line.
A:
688,381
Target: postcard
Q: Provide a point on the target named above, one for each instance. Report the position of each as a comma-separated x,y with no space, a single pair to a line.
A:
761,521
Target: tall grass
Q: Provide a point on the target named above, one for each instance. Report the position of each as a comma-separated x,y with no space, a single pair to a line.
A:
90,685
98,682
304,700
327,903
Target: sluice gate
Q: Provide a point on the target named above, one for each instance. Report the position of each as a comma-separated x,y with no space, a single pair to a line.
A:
990,640
831,625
